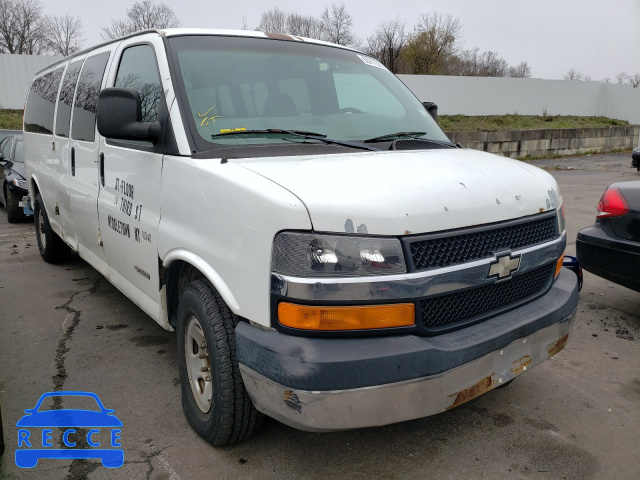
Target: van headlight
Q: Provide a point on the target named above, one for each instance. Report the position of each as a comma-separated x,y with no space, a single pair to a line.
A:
312,255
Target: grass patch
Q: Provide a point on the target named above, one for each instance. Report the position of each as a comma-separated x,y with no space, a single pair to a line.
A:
11,119
492,123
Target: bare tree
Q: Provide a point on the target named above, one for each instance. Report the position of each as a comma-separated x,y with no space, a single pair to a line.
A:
522,70
573,74
634,80
62,35
20,26
606,80
467,63
338,24
387,42
141,16
433,46
492,65
274,21
621,77
305,26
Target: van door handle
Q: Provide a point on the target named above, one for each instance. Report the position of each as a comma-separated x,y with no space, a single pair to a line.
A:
102,169
73,161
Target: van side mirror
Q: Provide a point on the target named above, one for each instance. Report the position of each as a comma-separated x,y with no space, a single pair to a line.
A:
432,108
120,116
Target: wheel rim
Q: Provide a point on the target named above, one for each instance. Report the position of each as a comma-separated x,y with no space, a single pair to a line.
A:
198,366
41,232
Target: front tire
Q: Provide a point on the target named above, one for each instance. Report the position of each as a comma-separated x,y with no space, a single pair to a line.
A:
15,213
214,399
52,248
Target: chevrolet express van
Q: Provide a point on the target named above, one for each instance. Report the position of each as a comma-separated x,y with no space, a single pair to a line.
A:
325,254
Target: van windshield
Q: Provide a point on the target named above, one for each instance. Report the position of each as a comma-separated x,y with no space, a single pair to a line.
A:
232,85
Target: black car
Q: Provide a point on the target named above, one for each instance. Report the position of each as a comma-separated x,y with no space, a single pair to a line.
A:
611,247
13,174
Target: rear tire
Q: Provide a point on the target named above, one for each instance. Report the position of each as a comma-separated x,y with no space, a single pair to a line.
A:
52,248
15,213
214,399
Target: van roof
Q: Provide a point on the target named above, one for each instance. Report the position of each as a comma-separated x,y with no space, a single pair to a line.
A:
177,32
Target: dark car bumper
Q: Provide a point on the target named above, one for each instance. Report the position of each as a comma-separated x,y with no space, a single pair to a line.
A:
635,159
602,253
319,384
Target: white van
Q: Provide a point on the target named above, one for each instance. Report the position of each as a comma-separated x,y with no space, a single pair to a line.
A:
325,254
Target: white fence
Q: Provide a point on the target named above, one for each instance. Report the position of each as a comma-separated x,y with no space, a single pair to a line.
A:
454,95
16,73
526,96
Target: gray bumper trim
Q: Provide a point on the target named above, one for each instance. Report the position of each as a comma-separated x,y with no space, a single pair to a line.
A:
401,401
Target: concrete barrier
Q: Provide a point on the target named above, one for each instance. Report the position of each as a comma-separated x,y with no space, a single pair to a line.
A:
551,141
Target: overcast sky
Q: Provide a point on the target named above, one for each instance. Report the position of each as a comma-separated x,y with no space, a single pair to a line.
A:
599,38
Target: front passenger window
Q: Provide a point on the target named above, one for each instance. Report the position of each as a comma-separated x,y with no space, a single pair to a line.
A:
138,71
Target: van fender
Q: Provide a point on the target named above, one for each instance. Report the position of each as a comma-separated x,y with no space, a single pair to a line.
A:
208,271
33,186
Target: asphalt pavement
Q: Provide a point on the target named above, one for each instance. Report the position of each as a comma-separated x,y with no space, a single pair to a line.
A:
577,416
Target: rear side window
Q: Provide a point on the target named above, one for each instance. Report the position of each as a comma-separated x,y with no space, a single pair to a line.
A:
84,104
38,114
65,99
138,71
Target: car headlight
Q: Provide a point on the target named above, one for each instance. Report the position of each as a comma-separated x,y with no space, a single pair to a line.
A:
20,183
312,255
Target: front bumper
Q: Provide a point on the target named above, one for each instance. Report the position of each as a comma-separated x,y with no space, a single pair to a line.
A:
324,384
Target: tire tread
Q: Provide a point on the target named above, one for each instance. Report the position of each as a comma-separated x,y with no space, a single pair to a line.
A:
239,418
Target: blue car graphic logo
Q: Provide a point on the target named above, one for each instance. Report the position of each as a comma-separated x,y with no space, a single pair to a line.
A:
68,420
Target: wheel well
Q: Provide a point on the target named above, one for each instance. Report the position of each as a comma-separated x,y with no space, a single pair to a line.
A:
176,277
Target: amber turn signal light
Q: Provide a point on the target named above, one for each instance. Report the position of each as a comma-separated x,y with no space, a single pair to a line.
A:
365,317
559,265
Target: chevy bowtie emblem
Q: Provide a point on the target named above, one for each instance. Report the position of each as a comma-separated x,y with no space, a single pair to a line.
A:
504,266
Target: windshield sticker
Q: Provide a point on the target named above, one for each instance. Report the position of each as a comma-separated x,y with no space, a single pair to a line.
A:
205,120
371,61
323,67
231,130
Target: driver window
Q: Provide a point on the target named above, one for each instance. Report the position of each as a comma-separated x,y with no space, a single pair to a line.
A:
138,70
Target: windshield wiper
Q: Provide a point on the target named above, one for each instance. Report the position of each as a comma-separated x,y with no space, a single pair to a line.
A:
270,131
394,136
297,133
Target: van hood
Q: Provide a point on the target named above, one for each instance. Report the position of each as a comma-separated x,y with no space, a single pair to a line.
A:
405,192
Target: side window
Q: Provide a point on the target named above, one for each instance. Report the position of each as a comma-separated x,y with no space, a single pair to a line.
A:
84,104
38,114
138,71
65,99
